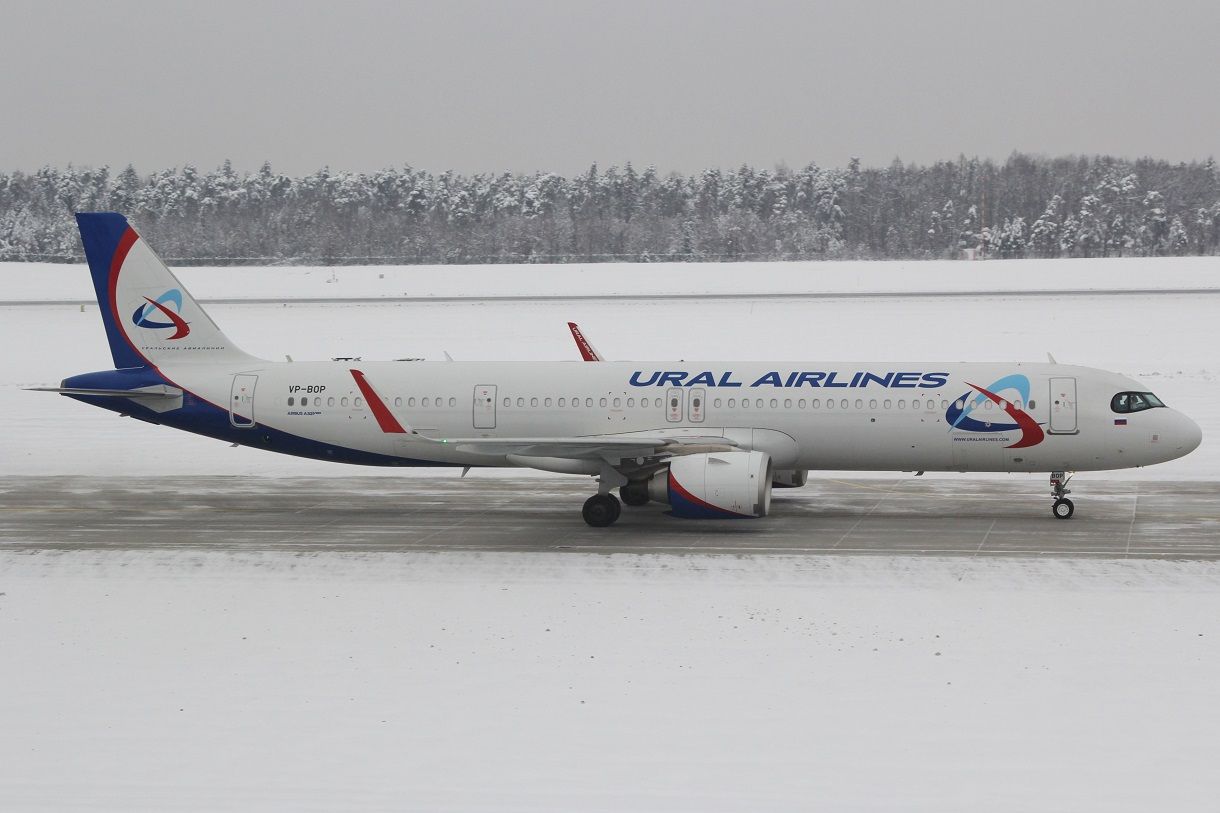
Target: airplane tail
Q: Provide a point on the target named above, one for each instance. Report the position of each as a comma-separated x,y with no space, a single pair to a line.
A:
150,317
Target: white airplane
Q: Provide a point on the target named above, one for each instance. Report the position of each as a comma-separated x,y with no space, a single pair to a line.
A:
710,439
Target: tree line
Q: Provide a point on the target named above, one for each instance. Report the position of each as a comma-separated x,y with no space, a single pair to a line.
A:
1026,206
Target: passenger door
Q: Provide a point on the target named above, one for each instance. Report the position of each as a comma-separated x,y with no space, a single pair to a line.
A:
241,402
1063,406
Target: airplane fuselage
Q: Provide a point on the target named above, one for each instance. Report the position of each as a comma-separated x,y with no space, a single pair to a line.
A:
891,417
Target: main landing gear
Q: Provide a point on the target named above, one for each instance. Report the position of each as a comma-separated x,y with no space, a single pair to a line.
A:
1063,508
601,510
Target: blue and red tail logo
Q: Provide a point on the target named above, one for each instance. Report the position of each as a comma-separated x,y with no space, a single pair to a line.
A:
145,314
961,410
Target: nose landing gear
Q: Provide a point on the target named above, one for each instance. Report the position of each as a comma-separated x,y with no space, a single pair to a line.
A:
1062,508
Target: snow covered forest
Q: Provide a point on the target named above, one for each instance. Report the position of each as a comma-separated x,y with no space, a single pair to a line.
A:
1027,206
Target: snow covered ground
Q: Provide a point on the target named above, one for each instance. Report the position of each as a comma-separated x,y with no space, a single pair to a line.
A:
533,682
50,281
543,682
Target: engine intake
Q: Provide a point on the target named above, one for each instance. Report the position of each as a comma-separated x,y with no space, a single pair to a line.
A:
721,485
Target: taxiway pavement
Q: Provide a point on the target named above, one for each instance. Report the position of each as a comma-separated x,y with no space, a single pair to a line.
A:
902,516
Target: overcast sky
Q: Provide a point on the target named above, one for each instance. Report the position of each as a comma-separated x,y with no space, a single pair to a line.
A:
524,86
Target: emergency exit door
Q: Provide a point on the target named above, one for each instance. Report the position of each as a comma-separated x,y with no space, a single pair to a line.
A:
485,406
1063,406
696,404
241,401
673,404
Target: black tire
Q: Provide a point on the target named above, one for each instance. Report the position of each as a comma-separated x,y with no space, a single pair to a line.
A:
601,510
1063,508
634,494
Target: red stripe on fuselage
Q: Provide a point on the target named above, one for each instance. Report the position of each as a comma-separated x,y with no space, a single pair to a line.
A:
385,419
1031,433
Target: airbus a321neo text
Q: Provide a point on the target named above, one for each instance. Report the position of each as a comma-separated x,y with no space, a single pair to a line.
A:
709,439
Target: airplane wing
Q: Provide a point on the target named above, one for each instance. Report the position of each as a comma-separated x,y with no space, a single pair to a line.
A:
592,448
587,351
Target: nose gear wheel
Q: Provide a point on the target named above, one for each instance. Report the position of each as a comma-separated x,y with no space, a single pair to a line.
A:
1062,508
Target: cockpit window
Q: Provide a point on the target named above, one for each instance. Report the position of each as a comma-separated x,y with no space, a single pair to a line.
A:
1126,402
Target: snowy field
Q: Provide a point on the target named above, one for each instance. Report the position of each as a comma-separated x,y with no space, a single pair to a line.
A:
552,682
51,281
562,682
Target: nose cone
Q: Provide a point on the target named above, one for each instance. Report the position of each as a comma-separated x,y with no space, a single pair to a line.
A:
1185,435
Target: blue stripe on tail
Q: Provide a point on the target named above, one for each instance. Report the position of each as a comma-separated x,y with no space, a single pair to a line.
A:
100,233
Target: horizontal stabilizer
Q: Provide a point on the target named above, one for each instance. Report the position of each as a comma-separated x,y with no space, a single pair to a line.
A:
143,392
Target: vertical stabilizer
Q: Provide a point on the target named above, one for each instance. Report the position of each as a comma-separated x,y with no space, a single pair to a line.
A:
150,318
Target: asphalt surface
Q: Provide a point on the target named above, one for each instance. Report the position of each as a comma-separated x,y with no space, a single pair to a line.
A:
908,516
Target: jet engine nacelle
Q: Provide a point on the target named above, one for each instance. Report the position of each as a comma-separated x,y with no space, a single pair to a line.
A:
789,478
721,485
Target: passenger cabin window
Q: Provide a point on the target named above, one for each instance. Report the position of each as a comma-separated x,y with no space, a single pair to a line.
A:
1126,402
